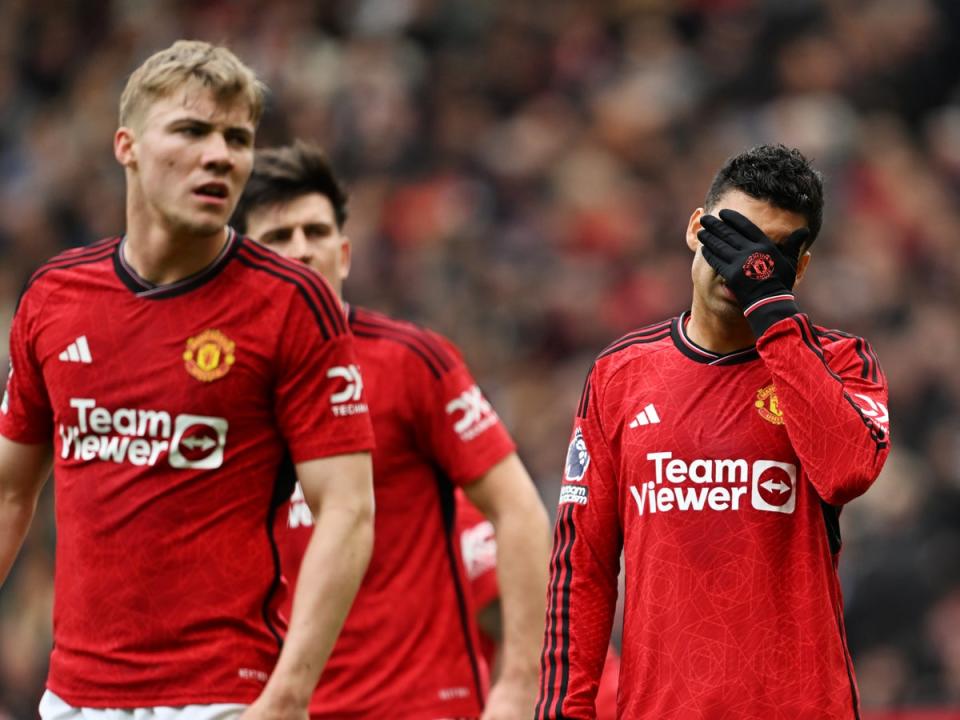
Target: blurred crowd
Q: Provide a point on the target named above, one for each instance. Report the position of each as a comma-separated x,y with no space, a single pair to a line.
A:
521,174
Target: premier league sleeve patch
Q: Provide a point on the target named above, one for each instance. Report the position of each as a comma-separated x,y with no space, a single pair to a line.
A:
578,458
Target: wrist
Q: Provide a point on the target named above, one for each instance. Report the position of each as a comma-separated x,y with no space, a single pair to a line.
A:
286,695
521,674
763,313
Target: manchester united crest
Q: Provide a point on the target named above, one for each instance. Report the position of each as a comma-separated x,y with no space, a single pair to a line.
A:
768,405
209,355
758,266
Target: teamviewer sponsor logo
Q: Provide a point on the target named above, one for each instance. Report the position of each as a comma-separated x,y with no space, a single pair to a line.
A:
198,442
716,485
773,486
142,437
473,414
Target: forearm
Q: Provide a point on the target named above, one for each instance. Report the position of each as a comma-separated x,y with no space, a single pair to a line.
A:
581,600
835,416
16,512
330,574
23,470
523,549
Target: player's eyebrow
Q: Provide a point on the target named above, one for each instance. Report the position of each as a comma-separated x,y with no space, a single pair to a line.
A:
238,131
780,234
277,231
189,120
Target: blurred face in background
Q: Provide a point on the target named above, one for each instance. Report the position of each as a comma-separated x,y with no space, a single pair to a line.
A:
711,296
304,229
187,161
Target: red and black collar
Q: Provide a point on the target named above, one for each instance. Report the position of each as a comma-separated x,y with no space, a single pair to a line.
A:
151,291
678,331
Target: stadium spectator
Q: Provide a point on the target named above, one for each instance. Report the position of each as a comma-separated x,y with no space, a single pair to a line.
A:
166,370
409,646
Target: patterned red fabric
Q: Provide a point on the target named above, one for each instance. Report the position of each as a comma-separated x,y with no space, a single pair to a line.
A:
170,410
479,552
409,645
477,546
720,478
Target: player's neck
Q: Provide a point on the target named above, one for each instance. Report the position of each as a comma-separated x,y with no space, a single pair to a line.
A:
162,257
717,334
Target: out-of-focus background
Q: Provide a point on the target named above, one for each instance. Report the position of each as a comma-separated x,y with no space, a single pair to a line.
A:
522,172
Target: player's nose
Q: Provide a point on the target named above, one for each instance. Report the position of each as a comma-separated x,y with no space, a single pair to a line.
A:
216,153
300,247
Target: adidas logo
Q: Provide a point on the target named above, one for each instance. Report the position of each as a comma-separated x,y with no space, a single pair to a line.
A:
77,351
647,416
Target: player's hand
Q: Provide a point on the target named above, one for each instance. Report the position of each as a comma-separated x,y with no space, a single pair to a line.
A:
759,273
270,707
510,699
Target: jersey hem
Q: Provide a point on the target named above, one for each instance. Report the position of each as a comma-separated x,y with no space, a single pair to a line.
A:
395,710
25,439
120,701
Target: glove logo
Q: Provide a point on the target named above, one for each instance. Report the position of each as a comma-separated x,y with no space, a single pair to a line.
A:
759,266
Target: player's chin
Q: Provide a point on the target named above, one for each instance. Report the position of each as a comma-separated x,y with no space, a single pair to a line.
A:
726,306
205,226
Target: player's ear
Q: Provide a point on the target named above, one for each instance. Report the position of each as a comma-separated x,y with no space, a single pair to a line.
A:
123,146
346,256
693,227
802,264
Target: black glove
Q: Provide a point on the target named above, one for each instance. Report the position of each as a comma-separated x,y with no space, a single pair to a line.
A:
759,272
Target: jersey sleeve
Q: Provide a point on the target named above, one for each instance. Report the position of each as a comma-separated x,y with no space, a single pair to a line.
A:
584,565
459,427
319,400
609,684
833,396
26,415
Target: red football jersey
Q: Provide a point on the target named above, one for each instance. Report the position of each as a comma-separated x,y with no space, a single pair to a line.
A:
409,646
478,551
721,478
477,547
171,410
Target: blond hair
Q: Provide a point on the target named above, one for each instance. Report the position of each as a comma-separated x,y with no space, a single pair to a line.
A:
213,67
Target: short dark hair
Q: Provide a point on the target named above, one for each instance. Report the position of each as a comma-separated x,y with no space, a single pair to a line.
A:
777,174
282,174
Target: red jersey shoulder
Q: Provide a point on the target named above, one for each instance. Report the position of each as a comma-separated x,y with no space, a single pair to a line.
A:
632,347
294,282
69,264
406,342
635,346
843,350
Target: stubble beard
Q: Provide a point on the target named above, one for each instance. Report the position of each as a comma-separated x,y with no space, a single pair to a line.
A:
182,226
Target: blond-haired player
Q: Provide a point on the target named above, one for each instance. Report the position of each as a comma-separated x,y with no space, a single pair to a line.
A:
166,369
